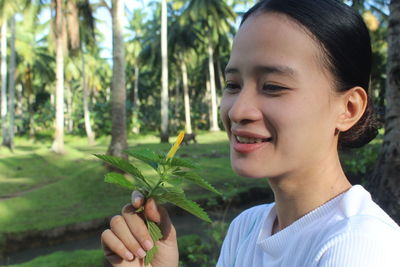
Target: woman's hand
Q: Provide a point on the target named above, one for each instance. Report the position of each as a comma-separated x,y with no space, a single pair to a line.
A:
128,239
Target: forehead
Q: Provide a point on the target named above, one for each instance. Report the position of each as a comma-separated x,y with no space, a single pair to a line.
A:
273,38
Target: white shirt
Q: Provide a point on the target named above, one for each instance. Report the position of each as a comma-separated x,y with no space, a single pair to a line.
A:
348,231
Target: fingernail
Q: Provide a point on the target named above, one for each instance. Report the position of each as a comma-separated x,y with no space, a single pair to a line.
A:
136,196
129,256
141,253
147,245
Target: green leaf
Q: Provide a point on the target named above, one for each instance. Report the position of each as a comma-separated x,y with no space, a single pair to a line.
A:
146,156
178,199
195,178
123,165
174,180
156,235
119,179
178,162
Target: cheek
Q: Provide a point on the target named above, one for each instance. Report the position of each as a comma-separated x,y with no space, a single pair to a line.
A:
305,128
226,104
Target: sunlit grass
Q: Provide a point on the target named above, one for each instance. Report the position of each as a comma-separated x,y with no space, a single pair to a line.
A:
79,258
70,188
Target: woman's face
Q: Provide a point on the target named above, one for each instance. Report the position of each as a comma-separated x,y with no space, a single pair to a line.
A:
279,105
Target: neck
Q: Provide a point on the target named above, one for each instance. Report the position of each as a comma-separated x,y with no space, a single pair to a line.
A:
300,192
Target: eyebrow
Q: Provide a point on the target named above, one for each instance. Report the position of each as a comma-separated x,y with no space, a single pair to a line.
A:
266,69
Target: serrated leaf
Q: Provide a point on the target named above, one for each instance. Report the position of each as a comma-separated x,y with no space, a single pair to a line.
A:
178,199
195,178
146,156
155,233
119,179
123,165
174,180
154,230
178,162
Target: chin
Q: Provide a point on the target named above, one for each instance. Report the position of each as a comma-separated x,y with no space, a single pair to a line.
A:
248,171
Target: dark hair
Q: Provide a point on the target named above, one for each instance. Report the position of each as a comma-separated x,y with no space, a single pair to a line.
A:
345,42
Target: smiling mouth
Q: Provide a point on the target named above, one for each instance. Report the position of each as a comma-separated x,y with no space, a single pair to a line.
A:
250,140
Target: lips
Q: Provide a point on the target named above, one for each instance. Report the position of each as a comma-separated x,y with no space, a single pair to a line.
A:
246,141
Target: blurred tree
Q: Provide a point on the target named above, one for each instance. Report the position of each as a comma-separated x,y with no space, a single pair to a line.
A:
58,143
133,48
3,70
182,42
8,11
164,135
385,181
35,66
215,17
118,97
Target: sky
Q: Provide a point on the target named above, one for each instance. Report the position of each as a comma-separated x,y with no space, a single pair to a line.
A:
103,18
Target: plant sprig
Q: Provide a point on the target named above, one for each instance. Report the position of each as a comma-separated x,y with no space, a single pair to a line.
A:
166,188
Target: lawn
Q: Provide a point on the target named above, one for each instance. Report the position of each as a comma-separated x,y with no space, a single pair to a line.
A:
63,190
79,258
40,190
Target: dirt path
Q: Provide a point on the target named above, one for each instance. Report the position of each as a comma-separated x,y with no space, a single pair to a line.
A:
21,193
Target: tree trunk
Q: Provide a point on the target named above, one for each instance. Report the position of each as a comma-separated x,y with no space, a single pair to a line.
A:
186,97
3,69
175,120
58,144
164,76
208,99
86,113
11,85
214,110
221,76
69,99
32,131
136,104
118,95
385,182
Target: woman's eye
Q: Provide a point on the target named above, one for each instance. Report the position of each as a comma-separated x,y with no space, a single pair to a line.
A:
272,88
232,86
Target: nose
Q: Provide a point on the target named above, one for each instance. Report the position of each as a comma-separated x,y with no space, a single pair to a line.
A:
244,107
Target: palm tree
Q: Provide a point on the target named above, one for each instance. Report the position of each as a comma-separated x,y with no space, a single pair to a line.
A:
58,143
35,64
118,133
83,36
215,17
385,182
8,10
164,73
183,41
3,70
11,85
133,48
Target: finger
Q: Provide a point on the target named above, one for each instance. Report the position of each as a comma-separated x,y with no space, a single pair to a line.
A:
137,199
121,230
114,248
159,215
137,227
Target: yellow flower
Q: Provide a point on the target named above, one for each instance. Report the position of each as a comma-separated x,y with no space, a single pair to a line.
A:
371,21
175,147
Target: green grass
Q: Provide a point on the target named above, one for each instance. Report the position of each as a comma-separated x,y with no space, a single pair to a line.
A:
79,258
71,187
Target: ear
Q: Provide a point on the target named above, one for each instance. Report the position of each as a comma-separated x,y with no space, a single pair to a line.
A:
353,103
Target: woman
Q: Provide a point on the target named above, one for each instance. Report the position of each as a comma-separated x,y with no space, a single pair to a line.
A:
296,90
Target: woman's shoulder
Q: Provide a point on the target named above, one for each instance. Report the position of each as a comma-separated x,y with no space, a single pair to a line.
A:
362,213
359,218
